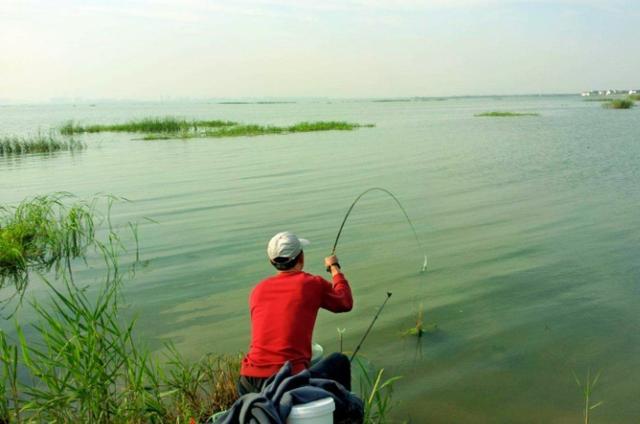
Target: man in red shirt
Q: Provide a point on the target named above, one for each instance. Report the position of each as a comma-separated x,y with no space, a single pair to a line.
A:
283,310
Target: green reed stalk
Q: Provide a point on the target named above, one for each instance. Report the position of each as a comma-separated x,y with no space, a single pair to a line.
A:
587,391
82,363
377,394
40,143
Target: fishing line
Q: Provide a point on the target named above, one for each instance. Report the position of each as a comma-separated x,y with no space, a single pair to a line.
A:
415,234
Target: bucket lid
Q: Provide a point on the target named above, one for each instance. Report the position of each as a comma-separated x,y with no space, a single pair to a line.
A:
317,408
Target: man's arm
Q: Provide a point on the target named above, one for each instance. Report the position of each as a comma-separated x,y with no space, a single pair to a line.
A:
337,297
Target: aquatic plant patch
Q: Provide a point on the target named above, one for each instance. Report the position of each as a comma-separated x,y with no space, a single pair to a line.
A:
619,104
42,233
503,114
15,146
252,130
146,125
170,128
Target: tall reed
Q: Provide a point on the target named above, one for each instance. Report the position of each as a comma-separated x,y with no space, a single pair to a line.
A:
146,125
82,363
42,234
376,392
40,143
252,130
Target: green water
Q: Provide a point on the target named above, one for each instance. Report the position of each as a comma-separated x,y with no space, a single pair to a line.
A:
531,225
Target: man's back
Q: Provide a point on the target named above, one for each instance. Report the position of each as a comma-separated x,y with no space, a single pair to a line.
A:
283,309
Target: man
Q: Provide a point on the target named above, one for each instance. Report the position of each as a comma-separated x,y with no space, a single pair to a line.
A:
283,310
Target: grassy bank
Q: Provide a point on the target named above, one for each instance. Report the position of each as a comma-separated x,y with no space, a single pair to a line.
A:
503,114
250,130
619,104
14,146
80,362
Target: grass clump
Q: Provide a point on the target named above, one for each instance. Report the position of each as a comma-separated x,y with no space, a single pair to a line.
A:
252,130
376,392
503,114
619,104
41,234
83,364
15,146
146,125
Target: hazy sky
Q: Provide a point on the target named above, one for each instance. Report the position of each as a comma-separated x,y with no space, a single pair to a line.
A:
339,48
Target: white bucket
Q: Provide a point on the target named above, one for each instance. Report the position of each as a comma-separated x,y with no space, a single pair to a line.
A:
316,412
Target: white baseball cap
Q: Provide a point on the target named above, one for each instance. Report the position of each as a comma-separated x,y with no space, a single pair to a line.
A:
285,245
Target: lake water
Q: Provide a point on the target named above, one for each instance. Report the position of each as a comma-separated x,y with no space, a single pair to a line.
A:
531,226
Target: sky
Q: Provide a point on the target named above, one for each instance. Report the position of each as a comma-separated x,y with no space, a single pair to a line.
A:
174,49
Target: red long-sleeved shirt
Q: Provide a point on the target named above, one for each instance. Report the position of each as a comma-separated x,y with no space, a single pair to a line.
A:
283,309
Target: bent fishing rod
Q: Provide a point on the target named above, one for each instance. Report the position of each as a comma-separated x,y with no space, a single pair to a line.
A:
404,212
415,234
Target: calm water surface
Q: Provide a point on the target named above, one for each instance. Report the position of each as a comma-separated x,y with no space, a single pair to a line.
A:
531,225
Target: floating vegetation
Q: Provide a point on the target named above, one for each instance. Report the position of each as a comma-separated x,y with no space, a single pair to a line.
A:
619,104
635,97
251,130
147,125
15,146
502,114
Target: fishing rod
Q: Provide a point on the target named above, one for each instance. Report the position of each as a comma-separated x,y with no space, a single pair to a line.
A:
384,190
366,333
